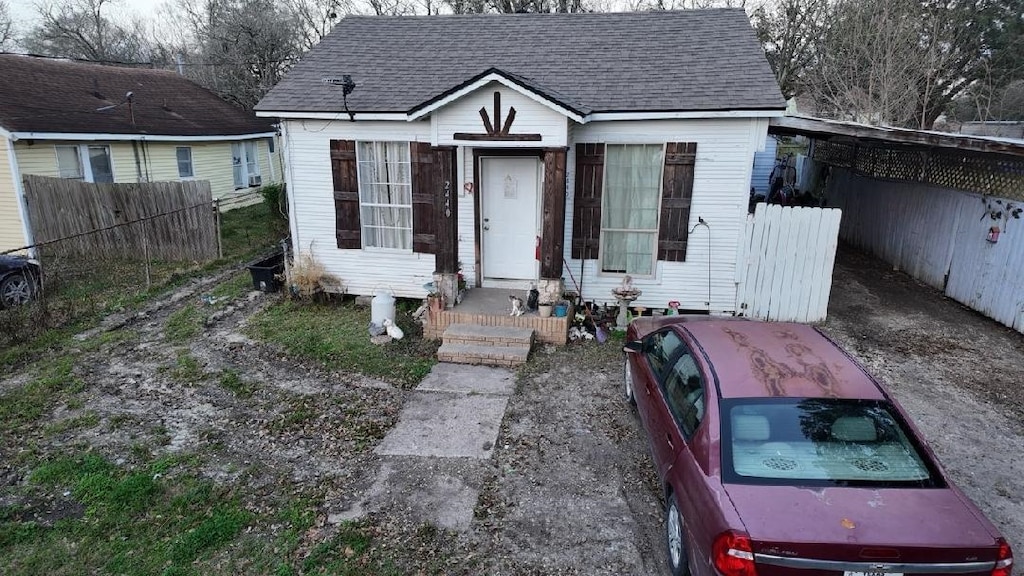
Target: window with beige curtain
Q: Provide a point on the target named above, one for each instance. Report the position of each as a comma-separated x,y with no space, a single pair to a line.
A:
385,194
630,204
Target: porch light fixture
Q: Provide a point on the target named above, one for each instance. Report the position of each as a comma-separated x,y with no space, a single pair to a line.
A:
347,86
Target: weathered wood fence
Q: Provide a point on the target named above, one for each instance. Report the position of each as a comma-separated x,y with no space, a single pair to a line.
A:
785,262
151,221
940,236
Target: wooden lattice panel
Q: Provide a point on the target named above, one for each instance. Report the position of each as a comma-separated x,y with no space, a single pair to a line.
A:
834,153
989,174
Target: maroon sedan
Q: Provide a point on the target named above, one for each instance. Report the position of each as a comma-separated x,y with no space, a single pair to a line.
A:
779,455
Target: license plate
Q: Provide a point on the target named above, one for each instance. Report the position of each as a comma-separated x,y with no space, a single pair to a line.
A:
872,573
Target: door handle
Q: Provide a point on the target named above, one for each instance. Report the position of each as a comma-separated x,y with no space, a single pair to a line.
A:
668,439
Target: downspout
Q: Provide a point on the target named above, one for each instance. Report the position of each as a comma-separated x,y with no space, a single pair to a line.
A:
138,165
19,192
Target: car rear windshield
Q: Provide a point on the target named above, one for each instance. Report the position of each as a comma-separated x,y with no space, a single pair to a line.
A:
819,441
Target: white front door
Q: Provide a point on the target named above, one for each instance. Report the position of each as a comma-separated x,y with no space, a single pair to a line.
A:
509,223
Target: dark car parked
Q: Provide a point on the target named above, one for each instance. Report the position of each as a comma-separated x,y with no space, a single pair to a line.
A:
19,280
779,455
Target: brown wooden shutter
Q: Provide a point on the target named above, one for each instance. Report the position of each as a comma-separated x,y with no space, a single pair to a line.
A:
553,208
423,198
346,193
446,209
676,195
586,210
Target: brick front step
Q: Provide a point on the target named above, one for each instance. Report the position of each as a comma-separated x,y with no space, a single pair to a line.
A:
475,335
486,355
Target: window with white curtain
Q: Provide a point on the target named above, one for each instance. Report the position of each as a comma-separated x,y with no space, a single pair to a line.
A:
630,204
385,194
69,162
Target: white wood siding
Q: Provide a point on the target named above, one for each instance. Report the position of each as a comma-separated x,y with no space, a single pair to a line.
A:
532,117
721,187
786,261
306,149
938,236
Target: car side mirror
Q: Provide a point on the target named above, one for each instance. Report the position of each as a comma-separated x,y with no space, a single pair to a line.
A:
633,346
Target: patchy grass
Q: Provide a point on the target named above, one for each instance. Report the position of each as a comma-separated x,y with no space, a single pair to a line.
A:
26,404
187,369
230,380
249,231
80,292
117,521
336,337
162,518
235,287
88,420
183,325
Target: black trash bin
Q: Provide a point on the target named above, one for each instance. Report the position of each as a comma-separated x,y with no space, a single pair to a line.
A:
265,273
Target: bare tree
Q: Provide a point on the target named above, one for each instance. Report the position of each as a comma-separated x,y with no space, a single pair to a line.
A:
868,64
316,18
789,31
81,29
231,49
6,27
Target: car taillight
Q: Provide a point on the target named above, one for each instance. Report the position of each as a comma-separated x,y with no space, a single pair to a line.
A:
1004,559
733,555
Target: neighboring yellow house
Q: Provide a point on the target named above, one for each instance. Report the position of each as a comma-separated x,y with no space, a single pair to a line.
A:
111,124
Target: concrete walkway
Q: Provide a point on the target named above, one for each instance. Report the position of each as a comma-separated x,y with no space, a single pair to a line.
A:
434,461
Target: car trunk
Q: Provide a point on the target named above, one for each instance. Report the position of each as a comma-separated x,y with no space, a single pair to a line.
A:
862,525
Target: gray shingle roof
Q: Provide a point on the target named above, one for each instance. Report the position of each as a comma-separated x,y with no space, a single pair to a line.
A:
48,95
606,62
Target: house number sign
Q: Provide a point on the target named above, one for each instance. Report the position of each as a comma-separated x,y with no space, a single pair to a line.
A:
447,198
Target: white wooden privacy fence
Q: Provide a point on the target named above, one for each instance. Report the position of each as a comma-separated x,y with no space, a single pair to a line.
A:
784,264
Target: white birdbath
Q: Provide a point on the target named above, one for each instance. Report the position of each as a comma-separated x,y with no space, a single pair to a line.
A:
625,297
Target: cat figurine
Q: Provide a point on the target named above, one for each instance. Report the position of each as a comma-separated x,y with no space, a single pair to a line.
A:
517,305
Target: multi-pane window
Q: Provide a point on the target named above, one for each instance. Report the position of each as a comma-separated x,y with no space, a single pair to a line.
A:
184,156
385,194
69,162
630,204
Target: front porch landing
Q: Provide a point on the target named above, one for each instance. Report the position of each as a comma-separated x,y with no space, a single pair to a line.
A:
491,307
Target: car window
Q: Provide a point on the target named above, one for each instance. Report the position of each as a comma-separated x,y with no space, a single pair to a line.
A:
822,441
684,392
659,348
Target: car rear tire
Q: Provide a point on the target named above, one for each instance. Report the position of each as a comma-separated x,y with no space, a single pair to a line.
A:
627,378
675,539
15,290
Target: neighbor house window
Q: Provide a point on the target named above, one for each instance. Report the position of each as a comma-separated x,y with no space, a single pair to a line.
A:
629,208
245,164
385,194
185,169
100,164
69,162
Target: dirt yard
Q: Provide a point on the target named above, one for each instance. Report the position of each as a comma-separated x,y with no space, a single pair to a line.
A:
570,488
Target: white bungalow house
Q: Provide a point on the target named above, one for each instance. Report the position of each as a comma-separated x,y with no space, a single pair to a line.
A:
529,149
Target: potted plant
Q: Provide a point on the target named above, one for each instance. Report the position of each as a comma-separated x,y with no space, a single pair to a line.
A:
545,309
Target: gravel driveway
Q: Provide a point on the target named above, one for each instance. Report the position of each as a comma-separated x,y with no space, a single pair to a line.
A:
575,492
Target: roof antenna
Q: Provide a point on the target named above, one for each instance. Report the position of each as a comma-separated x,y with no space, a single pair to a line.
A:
131,112
347,86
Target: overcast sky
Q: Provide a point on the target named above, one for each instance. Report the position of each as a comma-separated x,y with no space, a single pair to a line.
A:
23,12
